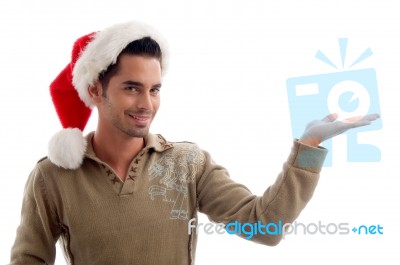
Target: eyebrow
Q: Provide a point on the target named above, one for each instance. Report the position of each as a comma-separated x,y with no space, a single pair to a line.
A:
138,84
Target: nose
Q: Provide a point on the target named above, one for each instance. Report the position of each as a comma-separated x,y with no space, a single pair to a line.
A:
145,101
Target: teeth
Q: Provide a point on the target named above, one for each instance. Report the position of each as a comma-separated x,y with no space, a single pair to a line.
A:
137,118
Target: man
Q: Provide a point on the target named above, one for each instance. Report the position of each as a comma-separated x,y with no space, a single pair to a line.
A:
122,195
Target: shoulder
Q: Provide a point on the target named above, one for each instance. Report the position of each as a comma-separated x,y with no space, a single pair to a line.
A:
47,171
45,165
37,180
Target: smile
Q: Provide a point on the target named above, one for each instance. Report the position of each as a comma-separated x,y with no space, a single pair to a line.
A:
139,118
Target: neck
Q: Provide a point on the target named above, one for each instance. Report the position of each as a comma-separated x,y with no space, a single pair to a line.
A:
117,150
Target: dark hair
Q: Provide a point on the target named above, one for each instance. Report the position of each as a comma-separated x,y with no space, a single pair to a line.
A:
145,47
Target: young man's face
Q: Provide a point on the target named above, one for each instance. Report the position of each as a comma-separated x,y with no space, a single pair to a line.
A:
132,97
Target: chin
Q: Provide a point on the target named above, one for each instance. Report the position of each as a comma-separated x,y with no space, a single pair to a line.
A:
139,133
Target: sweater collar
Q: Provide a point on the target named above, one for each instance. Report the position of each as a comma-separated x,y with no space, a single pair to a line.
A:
155,142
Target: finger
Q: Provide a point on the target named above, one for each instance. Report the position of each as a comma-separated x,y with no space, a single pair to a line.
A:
355,124
331,117
372,117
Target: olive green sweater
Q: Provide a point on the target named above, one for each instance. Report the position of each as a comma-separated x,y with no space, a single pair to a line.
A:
144,220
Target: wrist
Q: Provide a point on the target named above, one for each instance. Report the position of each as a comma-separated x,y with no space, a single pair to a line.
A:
313,142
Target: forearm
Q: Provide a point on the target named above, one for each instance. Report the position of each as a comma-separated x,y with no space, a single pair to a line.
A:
283,201
226,201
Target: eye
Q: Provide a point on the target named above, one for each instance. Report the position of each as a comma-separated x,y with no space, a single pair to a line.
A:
155,90
131,89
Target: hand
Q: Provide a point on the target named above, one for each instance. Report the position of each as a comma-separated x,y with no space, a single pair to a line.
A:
318,131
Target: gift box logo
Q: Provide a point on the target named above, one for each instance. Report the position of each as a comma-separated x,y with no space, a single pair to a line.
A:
347,92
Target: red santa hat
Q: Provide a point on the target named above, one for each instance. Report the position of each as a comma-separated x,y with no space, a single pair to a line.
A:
91,55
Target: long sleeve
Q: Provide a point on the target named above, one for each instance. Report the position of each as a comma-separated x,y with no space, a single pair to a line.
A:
225,201
38,232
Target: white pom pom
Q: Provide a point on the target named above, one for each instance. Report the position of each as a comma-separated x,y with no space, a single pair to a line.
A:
67,148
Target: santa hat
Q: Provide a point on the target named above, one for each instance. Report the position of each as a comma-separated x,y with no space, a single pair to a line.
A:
91,55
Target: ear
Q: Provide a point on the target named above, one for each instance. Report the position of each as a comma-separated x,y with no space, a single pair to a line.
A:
96,92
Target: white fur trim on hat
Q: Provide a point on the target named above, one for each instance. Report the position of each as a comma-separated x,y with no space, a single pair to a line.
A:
67,148
104,49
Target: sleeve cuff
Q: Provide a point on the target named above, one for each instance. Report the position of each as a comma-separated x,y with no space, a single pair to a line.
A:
307,157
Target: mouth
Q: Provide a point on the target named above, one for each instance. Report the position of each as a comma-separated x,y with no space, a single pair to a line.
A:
140,120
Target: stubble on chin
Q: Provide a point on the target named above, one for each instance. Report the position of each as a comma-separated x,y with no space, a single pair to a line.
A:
137,133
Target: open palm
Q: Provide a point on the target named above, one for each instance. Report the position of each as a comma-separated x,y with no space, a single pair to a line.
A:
320,130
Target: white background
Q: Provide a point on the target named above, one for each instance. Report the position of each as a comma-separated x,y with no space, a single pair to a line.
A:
225,91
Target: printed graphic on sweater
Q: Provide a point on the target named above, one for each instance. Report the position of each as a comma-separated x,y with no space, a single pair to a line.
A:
176,169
